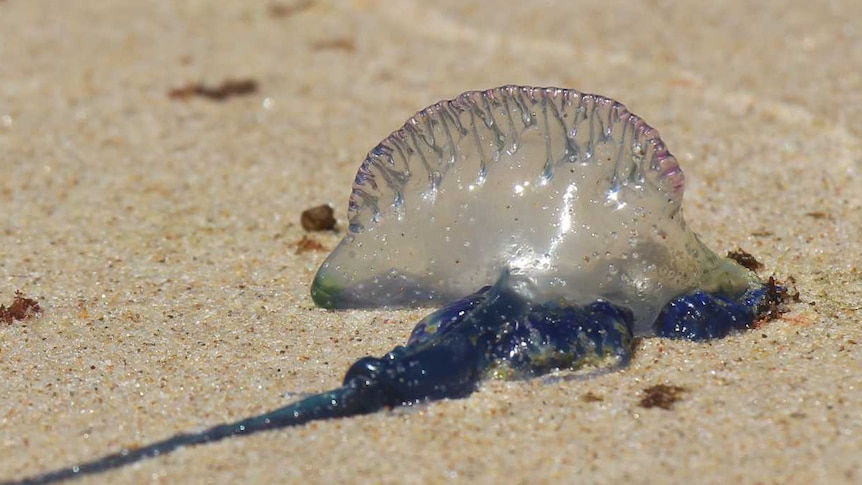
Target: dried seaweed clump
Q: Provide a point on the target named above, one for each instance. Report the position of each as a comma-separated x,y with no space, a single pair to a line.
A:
20,309
745,259
307,244
662,396
227,89
776,301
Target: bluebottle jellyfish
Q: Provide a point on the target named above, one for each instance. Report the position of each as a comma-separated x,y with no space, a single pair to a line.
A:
548,224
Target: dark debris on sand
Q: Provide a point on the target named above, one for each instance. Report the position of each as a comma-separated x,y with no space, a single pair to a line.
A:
20,309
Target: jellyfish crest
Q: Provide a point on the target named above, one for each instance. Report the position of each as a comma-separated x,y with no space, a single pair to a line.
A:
570,193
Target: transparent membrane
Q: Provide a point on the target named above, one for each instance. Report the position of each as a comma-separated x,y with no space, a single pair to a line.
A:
572,195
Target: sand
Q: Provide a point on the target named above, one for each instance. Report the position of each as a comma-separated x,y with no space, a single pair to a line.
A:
159,235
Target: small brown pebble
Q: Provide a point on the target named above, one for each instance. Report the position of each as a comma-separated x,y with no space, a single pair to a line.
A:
320,218
228,88
21,308
745,259
661,396
307,244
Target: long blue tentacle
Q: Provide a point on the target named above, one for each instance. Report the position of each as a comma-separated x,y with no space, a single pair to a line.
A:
335,403
447,366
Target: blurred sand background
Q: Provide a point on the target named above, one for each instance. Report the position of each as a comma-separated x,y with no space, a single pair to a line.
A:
159,235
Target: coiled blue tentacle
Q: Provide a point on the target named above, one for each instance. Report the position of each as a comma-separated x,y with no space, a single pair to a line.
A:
702,316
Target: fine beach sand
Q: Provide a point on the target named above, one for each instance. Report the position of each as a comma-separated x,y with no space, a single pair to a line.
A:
159,235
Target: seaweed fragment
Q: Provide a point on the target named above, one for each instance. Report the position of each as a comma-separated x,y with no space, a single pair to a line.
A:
745,259
662,396
307,244
21,308
228,88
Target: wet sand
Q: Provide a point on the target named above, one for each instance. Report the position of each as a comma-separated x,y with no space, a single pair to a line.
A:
159,234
